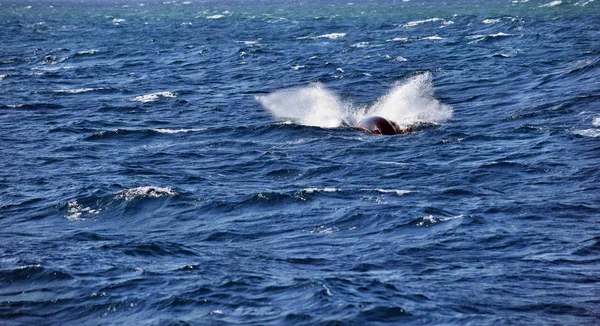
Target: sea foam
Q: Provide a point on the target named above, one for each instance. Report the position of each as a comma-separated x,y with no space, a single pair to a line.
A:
152,97
143,192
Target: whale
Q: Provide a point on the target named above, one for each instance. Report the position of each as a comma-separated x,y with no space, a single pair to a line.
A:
381,126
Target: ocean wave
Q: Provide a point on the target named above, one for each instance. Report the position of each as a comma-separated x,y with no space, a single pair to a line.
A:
481,38
176,131
398,192
88,52
144,192
32,106
360,45
592,132
491,21
551,4
331,36
398,39
218,16
75,211
108,134
420,22
315,190
432,38
153,97
430,220
79,90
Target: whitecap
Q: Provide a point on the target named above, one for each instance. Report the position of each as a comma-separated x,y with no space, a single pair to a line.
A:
176,131
430,219
331,36
400,59
551,4
218,16
75,211
153,97
398,39
491,21
297,67
314,190
593,132
419,22
92,51
432,38
501,35
3,76
118,20
360,45
143,192
596,122
77,91
398,192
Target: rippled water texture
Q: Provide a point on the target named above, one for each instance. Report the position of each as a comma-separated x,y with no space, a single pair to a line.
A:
199,163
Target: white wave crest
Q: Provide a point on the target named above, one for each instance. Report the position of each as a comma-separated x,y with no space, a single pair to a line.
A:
593,132
551,4
432,38
408,103
153,97
398,192
75,211
331,36
218,16
313,190
143,192
77,91
419,22
492,21
360,45
93,51
176,131
430,219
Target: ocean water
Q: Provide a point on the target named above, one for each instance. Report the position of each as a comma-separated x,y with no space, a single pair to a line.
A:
197,162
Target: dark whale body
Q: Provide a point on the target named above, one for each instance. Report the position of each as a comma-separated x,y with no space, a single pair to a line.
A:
381,126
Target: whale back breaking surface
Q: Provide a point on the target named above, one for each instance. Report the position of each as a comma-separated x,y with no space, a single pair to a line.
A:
379,125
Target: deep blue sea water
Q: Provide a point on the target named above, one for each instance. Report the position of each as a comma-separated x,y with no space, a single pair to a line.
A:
197,162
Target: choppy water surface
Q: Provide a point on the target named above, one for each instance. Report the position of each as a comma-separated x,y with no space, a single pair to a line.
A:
197,162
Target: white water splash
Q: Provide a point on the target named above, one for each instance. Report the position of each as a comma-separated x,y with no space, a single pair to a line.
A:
408,103
411,103
309,106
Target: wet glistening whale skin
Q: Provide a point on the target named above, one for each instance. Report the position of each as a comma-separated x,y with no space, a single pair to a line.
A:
381,126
